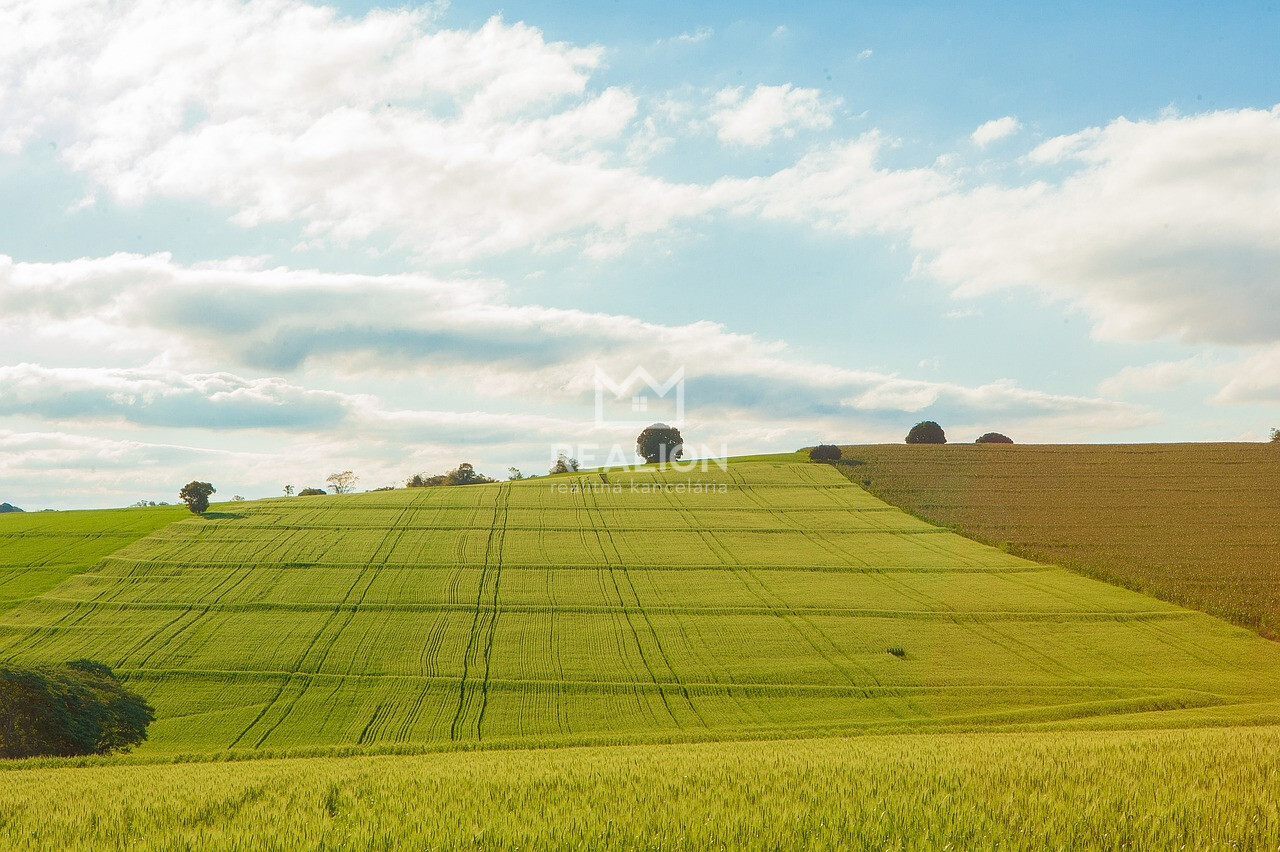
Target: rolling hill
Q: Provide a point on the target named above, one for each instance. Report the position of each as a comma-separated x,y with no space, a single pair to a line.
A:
771,599
1195,524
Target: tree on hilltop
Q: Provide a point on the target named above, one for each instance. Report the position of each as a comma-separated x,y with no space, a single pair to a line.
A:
1275,436
994,438
926,432
563,464
659,443
342,483
196,495
825,453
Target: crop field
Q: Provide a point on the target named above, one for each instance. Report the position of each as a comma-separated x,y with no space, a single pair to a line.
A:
771,599
1197,789
1195,524
38,550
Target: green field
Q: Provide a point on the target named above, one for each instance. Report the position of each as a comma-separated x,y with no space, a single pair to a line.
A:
38,550
1195,524
663,607
1202,789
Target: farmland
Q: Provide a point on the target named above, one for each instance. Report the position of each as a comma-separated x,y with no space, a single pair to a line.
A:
38,550
1195,524
1208,788
771,599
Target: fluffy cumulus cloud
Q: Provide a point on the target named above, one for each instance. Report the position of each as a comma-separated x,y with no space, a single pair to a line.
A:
758,118
995,130
1167,227
385,127
1160,228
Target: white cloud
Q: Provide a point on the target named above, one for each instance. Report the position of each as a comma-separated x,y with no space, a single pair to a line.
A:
1159,377
1161,228
769,112
152,397
382,128
699,35
994,130
284,320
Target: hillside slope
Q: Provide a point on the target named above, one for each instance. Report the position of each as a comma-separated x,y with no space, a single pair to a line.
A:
764,600
1195,524
38,550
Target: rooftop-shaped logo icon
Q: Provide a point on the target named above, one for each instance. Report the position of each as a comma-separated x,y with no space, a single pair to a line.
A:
639,398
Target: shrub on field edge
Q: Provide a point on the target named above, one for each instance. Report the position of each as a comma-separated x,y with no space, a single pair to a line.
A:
994,438
312,492
926,432
73,709
825,453
1275,436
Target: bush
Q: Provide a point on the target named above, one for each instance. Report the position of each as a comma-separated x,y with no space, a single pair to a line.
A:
312,492
72,709
825,453
659,443
1275,436
926,432
994,438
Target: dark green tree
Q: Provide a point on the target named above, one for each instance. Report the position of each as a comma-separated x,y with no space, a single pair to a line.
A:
994,438
196,495
825,453
926,432
1275,436
72,709
465,474
312,492
659,443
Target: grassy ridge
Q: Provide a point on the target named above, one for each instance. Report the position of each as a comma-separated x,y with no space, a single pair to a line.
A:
1092,790
1196,524
39,550
758,601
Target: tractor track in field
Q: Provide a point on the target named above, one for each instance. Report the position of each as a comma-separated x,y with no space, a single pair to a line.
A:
479,623
653,633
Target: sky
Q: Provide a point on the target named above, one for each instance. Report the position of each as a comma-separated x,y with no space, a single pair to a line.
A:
255,243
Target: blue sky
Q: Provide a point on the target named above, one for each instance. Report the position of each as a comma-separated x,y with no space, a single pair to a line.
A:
259,242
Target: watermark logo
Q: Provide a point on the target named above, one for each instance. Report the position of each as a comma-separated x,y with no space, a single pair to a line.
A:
639,399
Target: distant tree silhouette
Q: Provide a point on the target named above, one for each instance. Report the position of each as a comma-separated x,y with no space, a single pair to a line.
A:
342,483
825,453
563,464
1275,436
926,432
465,474
659,443
994,438
196,495
312,492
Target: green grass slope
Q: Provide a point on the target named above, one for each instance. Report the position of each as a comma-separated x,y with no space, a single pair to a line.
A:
1196,524
761,601
38,550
